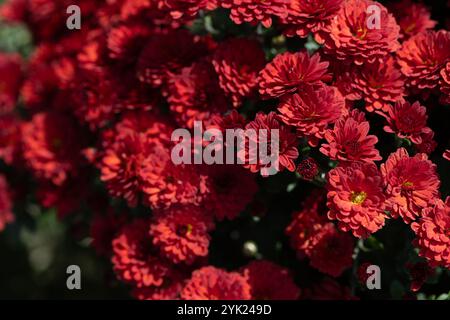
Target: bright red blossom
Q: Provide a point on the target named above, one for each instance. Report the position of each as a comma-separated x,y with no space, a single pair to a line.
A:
407,121
181,233
288,71
379,84
210,283
255,11
287,145
134,257
279,286
412,184
312,111
237,63
356,199
10,80
349,140
432,231
352,40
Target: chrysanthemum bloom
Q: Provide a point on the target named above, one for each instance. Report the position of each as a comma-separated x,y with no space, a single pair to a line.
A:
379,84
407,121
167,184
169,290
237,63
412,184
313,16
287,145
134,258
445,84
231,188
356,199
52,144
195,94
6,215
289,71
312,111
124,42
349,140
183,8
10,80
355,36
428,143
231,120
333,253
308,168
210,283
137,137
166,53
413,17
329,289
255,11
278,286
419,273
422,57
433,238
309,225
104,228
181,233
10,138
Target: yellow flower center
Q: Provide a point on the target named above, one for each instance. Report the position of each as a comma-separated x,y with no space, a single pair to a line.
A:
358,197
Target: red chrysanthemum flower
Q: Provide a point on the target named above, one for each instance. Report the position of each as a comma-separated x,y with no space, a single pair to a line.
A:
308,169
231,189
181,233
276,160
10,138
356,199
407,121
329,289
136,137
10,80
309,225
419,273
210,283
353,38
312,16
169,290
6,215
349,140
362,273
428,143
237,63
255,11
422,57
167,183
379,84
183,8
312,111
278,286
104,228
445,84
412,184
195,94
232,120
166,53
432,231
333,253
413,17
134,257
289,71
125,42
52,144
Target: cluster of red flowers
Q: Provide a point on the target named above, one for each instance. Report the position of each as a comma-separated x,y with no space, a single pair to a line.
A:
106,99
